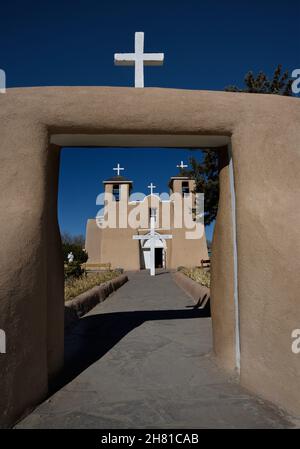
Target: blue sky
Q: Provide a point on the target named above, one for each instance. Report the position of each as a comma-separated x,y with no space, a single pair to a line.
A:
90,166
207,45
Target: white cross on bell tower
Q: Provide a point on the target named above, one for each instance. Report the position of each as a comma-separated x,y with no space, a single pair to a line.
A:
118,168
182,165
139,59
151,187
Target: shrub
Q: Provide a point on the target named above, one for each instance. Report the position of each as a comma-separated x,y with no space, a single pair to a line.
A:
76,286
180,268
80,256
198,274
73,270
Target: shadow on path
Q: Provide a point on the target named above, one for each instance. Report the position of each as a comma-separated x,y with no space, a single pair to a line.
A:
93,336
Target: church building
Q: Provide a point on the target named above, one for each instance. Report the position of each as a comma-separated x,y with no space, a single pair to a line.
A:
134,244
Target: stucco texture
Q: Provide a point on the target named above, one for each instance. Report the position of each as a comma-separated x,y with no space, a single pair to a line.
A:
265,136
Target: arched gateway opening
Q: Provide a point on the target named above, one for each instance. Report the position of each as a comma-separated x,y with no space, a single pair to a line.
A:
253,313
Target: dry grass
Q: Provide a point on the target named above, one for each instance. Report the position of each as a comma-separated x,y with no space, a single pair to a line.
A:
198,274
76,286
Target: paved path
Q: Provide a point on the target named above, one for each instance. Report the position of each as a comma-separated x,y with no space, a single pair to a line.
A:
142,360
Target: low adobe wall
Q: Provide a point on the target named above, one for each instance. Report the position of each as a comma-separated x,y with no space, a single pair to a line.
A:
83,303
199,293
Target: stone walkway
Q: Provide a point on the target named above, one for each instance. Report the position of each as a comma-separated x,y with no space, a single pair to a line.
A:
141,360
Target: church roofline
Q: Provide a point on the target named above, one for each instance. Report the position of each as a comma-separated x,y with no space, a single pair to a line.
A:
180,177
117,180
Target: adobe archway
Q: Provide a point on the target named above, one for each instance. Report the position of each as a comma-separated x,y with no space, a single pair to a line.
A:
264,135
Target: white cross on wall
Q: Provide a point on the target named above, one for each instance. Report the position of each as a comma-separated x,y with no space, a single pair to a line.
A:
118,169
139,59
181,165
151,187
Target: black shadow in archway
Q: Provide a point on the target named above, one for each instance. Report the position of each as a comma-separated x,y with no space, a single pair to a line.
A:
93,336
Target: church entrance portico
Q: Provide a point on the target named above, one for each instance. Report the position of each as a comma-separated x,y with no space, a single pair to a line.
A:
160,249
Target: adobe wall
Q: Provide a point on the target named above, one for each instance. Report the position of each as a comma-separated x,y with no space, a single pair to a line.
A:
222,275
93,241
119,249
186,252
54,270
265,135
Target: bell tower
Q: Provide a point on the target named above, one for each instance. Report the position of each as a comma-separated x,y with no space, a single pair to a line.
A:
118,186
182,184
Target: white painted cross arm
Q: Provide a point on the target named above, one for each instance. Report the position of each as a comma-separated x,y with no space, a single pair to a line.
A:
154,237
129,59
141,237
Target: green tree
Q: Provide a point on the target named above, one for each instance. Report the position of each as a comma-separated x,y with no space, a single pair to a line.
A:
206,172
80,255
279,84
78,240
206,176
75,245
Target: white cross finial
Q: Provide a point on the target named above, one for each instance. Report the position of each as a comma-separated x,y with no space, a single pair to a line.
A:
181,165
151,187
118,168
139,59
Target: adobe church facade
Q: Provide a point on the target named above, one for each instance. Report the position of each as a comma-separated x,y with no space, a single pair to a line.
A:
124,246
